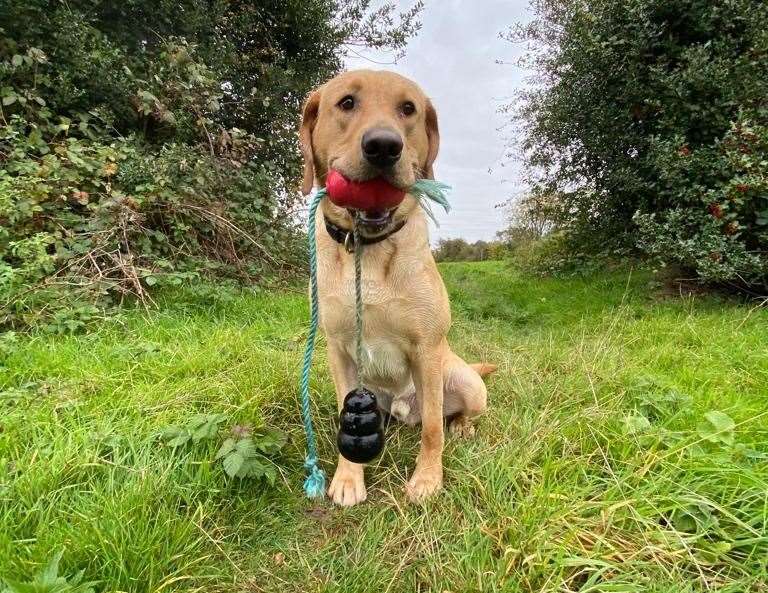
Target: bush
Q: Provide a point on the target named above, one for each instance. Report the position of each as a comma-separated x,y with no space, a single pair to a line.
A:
149,143
89,216
718,226
554,255
649,126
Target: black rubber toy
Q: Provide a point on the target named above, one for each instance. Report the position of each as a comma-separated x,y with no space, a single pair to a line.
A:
361,437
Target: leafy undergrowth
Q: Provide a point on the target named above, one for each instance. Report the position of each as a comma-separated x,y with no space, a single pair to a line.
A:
624,449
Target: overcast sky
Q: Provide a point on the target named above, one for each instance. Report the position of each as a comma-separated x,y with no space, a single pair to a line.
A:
454,60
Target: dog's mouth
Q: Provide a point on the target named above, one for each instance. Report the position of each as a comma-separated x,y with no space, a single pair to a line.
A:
375,222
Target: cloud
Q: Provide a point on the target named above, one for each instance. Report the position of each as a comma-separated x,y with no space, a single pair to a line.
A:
454,60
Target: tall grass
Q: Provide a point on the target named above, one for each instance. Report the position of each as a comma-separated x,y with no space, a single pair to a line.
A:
595,468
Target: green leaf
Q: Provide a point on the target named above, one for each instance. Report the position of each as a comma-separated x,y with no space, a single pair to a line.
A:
175,436
9,100
179,441
636,424
226,448
254,467
717,428
270,473
49,581
712,552
51,571
720,420
205,427
245,447
18,587
233,463
742,450
693,518
17,60
269,440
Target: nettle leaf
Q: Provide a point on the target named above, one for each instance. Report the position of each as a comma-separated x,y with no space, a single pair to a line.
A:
636,424
233,463
694,518
180,440
227,448
246,447
718,427
245,458
175,436
51,571
205,426
712,552
270,441
742,450
200,427
255,467
49,581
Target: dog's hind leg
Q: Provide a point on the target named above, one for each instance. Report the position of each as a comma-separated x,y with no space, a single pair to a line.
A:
465,393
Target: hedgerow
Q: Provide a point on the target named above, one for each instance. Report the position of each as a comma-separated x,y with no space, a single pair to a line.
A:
646,127
151,143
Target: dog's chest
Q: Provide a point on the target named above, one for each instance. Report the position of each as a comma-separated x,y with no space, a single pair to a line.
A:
385,327
385,364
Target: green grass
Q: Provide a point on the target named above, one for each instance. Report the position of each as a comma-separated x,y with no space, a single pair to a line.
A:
556,492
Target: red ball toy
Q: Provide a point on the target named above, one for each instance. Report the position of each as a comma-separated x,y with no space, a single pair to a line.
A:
374,194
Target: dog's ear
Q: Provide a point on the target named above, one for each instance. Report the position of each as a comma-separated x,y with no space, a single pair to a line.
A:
433,135
308,121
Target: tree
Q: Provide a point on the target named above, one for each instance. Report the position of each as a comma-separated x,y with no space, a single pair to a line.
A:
529,218
649,120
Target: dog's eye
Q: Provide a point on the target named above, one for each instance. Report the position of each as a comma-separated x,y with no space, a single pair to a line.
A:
408,108
347,103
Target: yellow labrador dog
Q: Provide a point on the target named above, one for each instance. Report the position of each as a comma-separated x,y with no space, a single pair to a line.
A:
367,124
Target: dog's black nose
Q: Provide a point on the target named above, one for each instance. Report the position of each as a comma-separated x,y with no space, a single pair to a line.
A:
382,147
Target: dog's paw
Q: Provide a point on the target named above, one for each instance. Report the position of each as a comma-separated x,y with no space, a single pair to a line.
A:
406,410
401,409
424,484
462,427
347,488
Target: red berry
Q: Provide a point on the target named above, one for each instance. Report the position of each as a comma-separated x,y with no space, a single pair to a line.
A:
375,194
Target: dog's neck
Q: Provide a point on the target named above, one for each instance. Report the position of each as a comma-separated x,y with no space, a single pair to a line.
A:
345,236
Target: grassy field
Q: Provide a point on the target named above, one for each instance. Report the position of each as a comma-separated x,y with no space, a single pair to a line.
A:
624,449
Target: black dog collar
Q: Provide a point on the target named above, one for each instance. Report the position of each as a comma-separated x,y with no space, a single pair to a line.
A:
347,238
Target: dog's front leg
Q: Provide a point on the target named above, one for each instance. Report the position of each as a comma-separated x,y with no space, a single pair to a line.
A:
348,484
427,369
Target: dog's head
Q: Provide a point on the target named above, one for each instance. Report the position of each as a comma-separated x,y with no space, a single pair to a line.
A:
367,124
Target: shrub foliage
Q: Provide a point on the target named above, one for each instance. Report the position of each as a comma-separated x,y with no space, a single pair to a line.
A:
145,143
648,124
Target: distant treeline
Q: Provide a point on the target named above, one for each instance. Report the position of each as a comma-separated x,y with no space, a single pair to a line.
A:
461,250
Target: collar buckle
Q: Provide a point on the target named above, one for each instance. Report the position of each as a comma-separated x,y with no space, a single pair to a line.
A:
349,242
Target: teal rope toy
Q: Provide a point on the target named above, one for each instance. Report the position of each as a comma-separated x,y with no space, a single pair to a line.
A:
423,190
